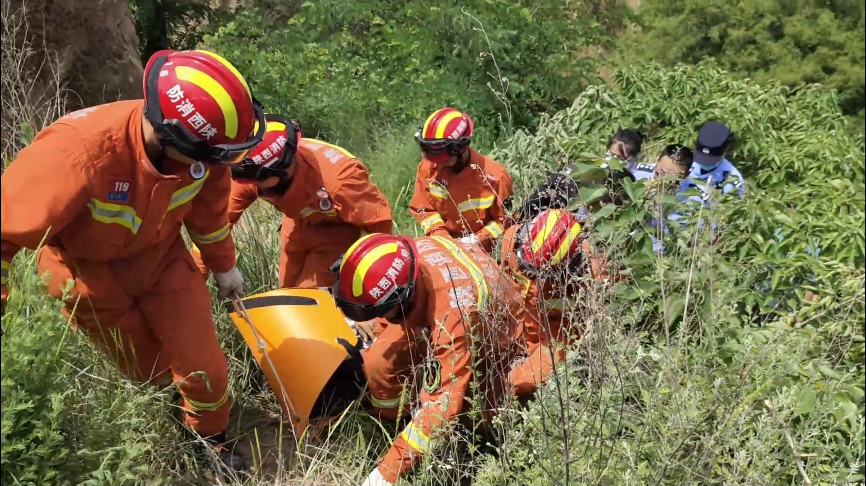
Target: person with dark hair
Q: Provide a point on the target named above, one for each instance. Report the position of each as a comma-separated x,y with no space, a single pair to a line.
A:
676,160
625,145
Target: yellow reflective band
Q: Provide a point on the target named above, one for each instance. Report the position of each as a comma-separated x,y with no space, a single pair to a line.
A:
307,212
366,262
542,235
462,257
481,203
335,147
231,68
384,403
553,304
208,407
110,213
563,248
274,126
427,123
416,439
523,281
217,92
436,190
443,123
494,228
185,194
4,272
214,237
430,221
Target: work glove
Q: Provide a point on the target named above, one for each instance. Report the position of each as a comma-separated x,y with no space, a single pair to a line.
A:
471,239
375,479
365,331
229,283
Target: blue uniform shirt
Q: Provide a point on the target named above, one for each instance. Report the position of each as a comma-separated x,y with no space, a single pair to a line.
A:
724,176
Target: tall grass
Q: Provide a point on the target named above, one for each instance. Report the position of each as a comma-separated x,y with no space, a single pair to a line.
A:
678,386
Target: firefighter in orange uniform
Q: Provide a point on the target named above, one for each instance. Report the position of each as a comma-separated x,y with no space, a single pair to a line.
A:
452,295
324,193
458,191
108,188
545,255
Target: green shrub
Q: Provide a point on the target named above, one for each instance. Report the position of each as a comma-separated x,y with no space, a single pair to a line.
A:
68,416
794,43
348,70
709,364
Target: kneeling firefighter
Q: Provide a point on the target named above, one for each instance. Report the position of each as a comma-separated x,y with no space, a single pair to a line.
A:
325,194
546,255
434,289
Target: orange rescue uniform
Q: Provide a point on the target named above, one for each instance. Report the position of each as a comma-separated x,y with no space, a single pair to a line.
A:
547,335
111,222
328,206
457,284
462,204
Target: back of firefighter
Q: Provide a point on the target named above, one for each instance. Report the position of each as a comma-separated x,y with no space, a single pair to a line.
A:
325,194
458,191
547,255
449,294
107,189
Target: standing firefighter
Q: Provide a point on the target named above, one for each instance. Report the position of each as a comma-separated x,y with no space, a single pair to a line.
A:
324,193
434,289
458,191
547,255
126,176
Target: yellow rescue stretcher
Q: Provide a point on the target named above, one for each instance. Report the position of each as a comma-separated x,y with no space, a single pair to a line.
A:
311,355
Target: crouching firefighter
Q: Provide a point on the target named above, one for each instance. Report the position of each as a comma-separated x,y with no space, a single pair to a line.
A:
324,192
454,297
547,256
104,192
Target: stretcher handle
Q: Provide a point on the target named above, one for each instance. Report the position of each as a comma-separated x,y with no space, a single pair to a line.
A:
242,310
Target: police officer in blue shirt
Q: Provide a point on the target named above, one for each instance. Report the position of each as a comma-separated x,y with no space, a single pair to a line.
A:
711,167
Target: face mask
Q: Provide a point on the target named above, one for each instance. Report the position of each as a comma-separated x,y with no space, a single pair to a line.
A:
708,168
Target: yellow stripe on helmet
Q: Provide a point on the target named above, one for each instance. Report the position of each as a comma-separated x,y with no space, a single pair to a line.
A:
231,68
352,249
549,224
427,122
443,123
273,126
217,92
563,248
366,262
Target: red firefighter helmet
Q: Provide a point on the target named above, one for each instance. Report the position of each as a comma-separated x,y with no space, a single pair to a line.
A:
445,133
201,106
274,154
548,243
375,275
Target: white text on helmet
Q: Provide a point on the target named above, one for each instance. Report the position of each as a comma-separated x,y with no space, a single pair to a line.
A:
189,113
459,130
